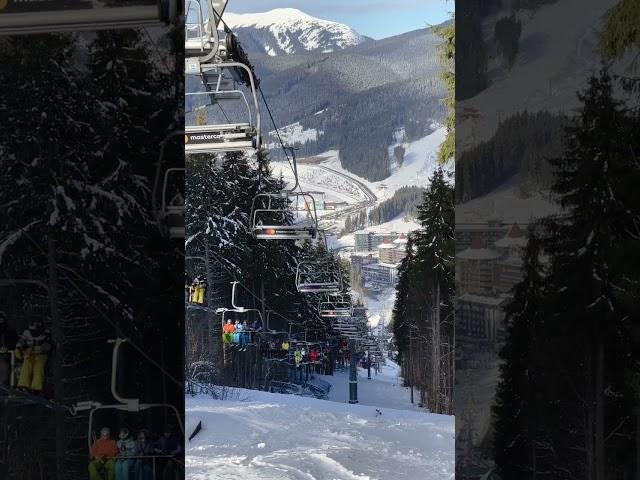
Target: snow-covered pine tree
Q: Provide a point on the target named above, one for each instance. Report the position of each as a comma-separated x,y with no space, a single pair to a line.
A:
401,321
67,210
584,400
520,447
589,276
435,255
447,51
220,192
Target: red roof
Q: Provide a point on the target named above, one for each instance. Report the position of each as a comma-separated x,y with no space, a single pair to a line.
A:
515,231
476,243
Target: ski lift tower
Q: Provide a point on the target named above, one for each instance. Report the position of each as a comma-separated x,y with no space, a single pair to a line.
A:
353,372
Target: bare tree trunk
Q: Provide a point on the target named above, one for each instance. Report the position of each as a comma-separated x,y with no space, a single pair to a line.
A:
589,418
435,351
212,342
57,337
599,412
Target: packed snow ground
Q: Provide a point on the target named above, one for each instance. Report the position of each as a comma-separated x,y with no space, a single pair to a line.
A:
384,390
380,306
267,436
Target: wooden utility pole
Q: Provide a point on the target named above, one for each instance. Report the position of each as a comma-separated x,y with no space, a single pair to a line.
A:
57,337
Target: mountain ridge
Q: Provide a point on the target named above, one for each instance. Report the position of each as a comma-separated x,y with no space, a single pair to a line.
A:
353,100
287,31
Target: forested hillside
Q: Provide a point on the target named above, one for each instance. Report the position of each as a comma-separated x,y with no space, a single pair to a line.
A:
521,145
405,201
218,205
422,318
357,98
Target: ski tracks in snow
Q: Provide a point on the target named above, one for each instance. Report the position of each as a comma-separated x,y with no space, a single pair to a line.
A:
295,438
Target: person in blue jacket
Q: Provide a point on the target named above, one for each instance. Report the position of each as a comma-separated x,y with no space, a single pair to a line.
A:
256,327
168,446
237,335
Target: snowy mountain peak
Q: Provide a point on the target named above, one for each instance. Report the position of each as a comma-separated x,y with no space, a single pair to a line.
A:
266,19
289,31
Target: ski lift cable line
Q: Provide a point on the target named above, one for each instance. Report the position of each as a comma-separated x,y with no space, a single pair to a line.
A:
277,130
155,47
99,311
291,165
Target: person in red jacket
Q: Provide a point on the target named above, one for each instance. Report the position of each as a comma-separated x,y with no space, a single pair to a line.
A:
103,453
228,331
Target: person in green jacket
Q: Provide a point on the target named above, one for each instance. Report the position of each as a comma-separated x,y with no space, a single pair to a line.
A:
297,356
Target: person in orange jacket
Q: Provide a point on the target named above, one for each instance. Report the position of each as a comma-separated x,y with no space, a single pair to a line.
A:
103,453
228,331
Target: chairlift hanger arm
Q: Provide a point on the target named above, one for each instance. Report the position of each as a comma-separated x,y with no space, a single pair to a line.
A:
161,158
295,169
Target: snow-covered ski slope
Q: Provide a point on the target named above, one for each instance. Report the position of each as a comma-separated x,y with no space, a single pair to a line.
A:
268,436
507,203
420,161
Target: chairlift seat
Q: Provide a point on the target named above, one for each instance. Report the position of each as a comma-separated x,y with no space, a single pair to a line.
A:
222,95
214,80
325,287
212,138
284,232
331,310
198,46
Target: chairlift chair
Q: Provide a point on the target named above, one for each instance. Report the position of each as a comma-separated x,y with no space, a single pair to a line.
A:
239,133
238,309
128,405
169,215
318,277
271,216
335,305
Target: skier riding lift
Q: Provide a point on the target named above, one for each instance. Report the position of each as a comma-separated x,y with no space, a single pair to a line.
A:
103,452
32,349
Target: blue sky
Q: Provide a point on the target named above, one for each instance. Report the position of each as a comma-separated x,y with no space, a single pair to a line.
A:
373,18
